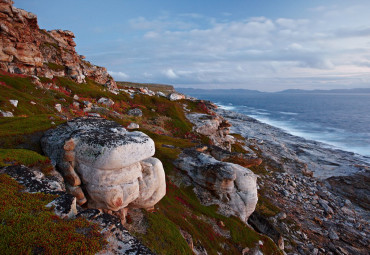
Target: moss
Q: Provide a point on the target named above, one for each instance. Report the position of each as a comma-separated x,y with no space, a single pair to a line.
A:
265,207
25,157
49,44
164,237
28,227
55,67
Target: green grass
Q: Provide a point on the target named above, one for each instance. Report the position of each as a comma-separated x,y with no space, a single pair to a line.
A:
28,158
28,227
55,66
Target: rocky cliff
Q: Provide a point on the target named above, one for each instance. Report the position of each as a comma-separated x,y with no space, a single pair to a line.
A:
27,49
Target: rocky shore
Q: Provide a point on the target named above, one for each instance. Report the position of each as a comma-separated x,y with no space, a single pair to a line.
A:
323,193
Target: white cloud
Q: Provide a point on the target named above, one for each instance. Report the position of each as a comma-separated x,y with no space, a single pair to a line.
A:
170,73
119,75
257,51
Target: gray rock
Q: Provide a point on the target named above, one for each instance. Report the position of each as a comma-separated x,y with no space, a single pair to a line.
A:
58,107
333,235
133,126
114,166
234,187
326,207
135,112
176,96
107,102
6,114
64,206
14,102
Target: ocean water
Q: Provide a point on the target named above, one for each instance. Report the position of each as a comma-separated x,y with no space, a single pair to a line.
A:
339,120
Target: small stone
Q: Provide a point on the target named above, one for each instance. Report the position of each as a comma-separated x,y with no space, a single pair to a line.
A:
75,97
333,235
76,104
281,216
87,104
135,112
58,107
133,126
106,101
93,114
32,102
6,114
14,102
64,206
176,96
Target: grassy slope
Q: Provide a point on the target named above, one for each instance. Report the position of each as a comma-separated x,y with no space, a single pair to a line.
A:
179,209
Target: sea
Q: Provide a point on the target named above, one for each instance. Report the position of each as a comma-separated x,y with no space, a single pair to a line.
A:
340,120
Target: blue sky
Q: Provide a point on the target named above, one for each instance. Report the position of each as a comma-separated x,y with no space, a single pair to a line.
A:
253,44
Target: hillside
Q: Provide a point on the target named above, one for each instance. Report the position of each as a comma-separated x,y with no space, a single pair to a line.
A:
45,83
67,128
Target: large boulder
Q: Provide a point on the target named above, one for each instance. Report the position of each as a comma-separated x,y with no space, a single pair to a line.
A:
232,187
105,165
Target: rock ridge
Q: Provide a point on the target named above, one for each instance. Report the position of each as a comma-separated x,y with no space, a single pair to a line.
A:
27,49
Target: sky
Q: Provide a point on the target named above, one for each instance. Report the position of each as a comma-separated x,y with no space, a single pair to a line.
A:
267,45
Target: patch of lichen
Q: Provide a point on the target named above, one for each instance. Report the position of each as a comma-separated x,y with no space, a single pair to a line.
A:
28,227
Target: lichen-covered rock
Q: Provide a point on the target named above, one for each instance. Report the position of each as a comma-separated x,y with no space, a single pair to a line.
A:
64,206
135,112
113,166
176,96
213,126
27,49
232,187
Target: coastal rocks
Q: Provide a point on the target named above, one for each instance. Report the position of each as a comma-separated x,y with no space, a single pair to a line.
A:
355,187
231,186
214,127
27,49
113,167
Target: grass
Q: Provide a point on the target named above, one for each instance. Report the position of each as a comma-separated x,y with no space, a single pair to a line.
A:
28,227
55,66
28,158
179,209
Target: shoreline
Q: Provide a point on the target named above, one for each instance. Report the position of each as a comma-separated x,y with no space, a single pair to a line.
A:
331,161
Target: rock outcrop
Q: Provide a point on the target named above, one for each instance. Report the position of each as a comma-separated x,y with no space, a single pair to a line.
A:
106,166
231,186
27,49
214,127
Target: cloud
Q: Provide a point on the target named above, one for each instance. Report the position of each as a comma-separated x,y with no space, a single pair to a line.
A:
254,52
169,73
119,75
